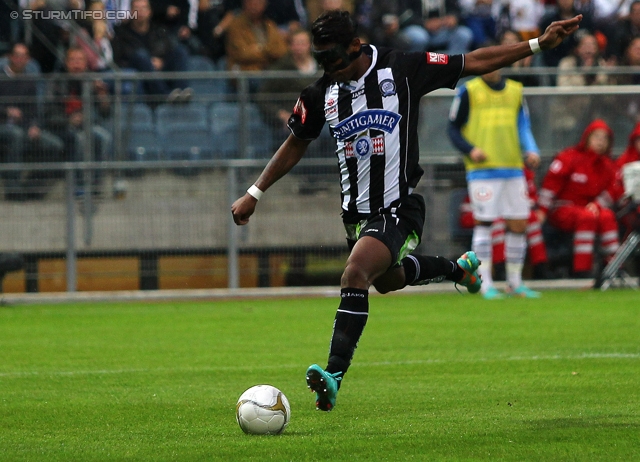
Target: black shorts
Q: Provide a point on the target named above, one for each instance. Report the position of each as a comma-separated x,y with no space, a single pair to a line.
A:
398,226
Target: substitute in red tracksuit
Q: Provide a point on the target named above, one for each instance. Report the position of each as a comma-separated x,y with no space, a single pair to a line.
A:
535,241
578,192
631,154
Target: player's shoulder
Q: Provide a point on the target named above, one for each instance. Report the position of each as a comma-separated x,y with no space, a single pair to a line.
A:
315,91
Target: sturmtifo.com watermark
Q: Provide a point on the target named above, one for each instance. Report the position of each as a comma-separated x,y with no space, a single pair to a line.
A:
96,15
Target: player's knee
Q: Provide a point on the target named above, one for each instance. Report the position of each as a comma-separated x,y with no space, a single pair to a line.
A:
587,220
607,216
354,276
517,226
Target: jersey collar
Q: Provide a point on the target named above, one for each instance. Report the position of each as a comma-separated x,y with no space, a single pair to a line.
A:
372,52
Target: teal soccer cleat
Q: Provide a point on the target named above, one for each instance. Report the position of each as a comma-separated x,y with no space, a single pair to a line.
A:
325,385
493,294
469,263
524,292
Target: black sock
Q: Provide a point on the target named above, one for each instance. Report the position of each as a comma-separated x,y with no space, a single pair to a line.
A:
421,269
351,318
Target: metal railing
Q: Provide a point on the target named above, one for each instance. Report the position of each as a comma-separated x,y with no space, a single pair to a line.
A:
210,184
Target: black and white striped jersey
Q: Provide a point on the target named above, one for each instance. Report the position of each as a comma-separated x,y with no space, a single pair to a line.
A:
375,124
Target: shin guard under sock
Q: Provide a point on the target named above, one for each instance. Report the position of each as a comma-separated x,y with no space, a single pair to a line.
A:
349,323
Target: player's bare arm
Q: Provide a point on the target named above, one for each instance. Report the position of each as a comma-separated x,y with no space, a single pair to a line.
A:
285,158
488,59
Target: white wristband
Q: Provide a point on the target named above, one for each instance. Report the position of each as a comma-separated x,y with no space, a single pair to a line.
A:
535,45
255,192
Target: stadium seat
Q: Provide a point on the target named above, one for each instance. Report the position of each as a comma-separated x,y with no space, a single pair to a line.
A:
204,87
129,86
139,133
183,132
225,128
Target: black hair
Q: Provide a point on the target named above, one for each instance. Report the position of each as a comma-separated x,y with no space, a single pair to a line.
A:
334,26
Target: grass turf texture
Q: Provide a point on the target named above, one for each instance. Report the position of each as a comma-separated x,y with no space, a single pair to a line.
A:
435,377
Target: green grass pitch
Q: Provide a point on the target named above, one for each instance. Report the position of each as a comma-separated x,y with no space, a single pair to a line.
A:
435,377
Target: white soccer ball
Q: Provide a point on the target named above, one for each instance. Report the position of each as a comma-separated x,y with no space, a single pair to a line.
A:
263,410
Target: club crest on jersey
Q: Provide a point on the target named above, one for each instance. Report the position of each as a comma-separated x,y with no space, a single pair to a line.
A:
437,58
387,87
380,119
364,147
300,110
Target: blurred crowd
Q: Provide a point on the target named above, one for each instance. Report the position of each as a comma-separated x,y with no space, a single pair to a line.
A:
253,34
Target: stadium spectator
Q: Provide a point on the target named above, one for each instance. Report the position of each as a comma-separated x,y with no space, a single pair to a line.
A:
480,16
370,97
606,16
276,110
289,15
51,37
564,9
253,41
626,30
66,113
95,39
390,23
489,124
22,138
115,6
408,25
630,108
571,112
524,16
316,7
510,37
578,192
147,47
9,28
179,18
537,249
441,19
214,16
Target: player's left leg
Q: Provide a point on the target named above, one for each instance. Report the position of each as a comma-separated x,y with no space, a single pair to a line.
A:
516,212
608,233
369,259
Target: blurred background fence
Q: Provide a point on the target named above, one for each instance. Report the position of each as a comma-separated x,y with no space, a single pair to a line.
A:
137,193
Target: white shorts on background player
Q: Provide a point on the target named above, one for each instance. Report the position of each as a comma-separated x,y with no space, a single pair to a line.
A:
494,198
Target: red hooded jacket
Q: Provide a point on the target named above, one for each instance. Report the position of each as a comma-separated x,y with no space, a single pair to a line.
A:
630,154
578,176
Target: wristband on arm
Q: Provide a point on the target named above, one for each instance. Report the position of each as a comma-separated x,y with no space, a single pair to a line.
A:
535,46
255,192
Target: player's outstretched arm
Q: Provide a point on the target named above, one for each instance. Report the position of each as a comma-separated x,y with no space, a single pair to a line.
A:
488,59
285,158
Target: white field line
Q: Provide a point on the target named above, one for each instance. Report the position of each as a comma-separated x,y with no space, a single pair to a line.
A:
583,356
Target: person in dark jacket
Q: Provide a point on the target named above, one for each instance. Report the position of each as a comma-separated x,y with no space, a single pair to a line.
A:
22,138
147,47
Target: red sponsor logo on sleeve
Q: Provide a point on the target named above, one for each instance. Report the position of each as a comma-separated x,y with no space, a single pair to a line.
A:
437,58
300,110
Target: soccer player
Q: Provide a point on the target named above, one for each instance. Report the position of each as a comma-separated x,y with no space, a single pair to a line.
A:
489,123
370,98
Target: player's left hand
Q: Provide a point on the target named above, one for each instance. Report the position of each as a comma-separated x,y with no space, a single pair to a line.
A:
557,31
243,208
532,160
